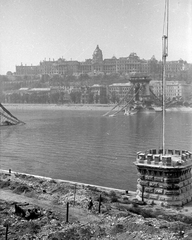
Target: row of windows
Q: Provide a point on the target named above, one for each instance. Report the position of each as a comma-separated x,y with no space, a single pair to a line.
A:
88,68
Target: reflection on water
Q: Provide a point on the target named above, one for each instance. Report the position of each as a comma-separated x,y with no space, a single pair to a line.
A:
84,146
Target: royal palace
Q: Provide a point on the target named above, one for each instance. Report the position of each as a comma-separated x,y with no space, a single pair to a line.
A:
96,65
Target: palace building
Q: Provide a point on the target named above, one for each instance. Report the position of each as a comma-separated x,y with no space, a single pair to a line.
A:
96,64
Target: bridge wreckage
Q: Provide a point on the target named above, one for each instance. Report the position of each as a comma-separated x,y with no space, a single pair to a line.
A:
7,118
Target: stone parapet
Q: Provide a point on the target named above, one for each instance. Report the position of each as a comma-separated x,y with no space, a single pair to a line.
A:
164,179
172,158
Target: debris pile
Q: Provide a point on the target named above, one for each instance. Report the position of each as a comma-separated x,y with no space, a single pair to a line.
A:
34,208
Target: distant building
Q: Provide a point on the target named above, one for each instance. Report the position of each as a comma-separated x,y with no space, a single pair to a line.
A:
61,66
110,65
121,90
186,92
97,65
67,89
85,67
100,93
27,70
175,69
173,89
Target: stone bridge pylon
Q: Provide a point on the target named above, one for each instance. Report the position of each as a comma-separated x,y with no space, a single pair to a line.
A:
141,90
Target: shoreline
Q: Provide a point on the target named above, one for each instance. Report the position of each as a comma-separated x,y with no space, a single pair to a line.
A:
86,107
102,188
118,217
89,107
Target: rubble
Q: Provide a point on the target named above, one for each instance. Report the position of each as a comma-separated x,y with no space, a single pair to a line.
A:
38,211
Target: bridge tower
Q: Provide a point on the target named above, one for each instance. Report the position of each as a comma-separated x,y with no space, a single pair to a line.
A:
141,86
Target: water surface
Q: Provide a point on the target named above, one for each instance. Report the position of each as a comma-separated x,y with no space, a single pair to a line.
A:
86,147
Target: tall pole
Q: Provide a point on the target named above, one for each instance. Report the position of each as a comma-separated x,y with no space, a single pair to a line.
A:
164,88
164,56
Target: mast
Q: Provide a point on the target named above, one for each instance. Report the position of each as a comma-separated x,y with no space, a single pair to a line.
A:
169,168
164,56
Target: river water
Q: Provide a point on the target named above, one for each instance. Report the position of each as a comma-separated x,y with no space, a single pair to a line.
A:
86,147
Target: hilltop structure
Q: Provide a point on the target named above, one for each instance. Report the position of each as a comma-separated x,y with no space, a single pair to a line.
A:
97,65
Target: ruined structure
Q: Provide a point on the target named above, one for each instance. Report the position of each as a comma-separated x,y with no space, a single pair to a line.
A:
164,179
141,86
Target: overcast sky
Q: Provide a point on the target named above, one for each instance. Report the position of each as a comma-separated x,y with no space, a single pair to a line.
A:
32,30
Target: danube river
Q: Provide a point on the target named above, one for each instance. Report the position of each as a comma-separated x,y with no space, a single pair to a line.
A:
85,146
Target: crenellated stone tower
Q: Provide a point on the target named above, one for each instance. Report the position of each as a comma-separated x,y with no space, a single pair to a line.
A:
164,179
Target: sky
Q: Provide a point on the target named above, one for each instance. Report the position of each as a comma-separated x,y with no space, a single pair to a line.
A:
34,30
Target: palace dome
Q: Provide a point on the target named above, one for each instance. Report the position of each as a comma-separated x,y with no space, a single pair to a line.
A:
97,55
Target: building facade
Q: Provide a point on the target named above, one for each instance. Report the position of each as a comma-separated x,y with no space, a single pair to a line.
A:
174,89
27,70
99,93
121,91
96,64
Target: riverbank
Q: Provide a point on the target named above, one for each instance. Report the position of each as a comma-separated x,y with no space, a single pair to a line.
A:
120,217
90,107
82,107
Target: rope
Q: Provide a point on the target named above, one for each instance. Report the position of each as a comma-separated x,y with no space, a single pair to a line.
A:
127,103
118,103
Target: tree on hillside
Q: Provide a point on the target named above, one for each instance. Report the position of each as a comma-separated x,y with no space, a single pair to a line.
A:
90,97
114,98
83,77
45,78
75,97
71,78
3,78
189,75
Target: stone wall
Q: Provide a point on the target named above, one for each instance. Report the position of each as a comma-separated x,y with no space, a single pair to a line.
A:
164,182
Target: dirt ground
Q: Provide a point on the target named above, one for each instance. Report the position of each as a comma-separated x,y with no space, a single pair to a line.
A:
114,215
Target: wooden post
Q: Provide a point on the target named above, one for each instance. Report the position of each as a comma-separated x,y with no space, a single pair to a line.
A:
100,203
6,232
67,213
143,189
74,195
